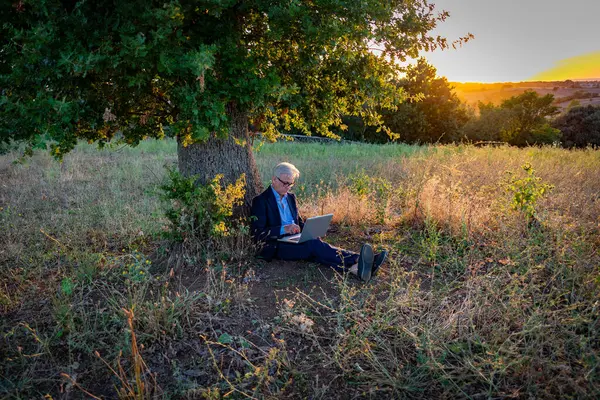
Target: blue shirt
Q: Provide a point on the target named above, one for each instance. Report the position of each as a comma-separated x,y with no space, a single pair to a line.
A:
285,211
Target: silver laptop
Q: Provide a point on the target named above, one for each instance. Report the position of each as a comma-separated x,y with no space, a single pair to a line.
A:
313,228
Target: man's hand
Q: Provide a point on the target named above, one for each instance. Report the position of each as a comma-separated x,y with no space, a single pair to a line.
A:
291,229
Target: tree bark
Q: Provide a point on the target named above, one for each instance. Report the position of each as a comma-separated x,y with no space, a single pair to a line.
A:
231,157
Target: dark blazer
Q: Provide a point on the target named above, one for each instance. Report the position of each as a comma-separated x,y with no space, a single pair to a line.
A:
266,221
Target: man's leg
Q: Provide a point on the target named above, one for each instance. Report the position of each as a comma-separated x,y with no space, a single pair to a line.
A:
339,259
317,250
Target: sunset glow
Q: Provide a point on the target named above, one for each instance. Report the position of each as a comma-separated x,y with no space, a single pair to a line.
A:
583,67
519,40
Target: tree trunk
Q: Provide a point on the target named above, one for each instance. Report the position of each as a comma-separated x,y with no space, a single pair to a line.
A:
231,157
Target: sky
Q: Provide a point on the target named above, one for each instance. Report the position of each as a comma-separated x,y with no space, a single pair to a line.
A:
519,40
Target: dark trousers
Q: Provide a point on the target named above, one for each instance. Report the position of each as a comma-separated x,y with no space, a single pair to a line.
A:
319,251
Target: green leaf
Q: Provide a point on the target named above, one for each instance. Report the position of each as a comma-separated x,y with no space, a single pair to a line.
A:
225,338
66,287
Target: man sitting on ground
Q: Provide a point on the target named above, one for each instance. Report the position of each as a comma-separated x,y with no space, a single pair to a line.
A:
276,215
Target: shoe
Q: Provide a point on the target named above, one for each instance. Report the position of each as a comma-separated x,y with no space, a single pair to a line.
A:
378,260
365,262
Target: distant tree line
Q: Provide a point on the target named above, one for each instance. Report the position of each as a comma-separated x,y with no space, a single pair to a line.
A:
579,94
433,113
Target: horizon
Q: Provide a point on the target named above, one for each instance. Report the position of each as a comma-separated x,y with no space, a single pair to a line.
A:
527,81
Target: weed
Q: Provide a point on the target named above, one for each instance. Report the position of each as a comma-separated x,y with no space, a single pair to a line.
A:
376,191
169,315
382,190
139,383
137,268
360,184
527,192
269,378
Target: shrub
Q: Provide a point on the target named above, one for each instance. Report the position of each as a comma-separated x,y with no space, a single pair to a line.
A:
526,192
201,212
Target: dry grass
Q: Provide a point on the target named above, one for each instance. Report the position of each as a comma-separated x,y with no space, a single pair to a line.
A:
475,302
459,186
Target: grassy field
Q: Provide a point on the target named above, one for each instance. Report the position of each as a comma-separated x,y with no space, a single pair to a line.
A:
492,288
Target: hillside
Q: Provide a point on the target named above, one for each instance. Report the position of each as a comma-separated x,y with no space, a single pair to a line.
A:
586,92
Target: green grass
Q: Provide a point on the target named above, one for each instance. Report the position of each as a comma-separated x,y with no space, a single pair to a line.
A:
475,302
330,163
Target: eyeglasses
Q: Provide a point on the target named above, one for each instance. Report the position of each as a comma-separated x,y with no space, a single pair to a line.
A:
286,184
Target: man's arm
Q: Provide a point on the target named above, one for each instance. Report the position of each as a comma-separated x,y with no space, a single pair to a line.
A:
300,219
261,230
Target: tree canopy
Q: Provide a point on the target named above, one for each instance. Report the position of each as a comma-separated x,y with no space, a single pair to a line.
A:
433,113
93,70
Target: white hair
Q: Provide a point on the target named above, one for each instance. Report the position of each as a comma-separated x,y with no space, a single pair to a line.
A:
286,168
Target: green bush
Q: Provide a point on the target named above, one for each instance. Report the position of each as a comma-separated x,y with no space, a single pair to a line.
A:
526,192
201,212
